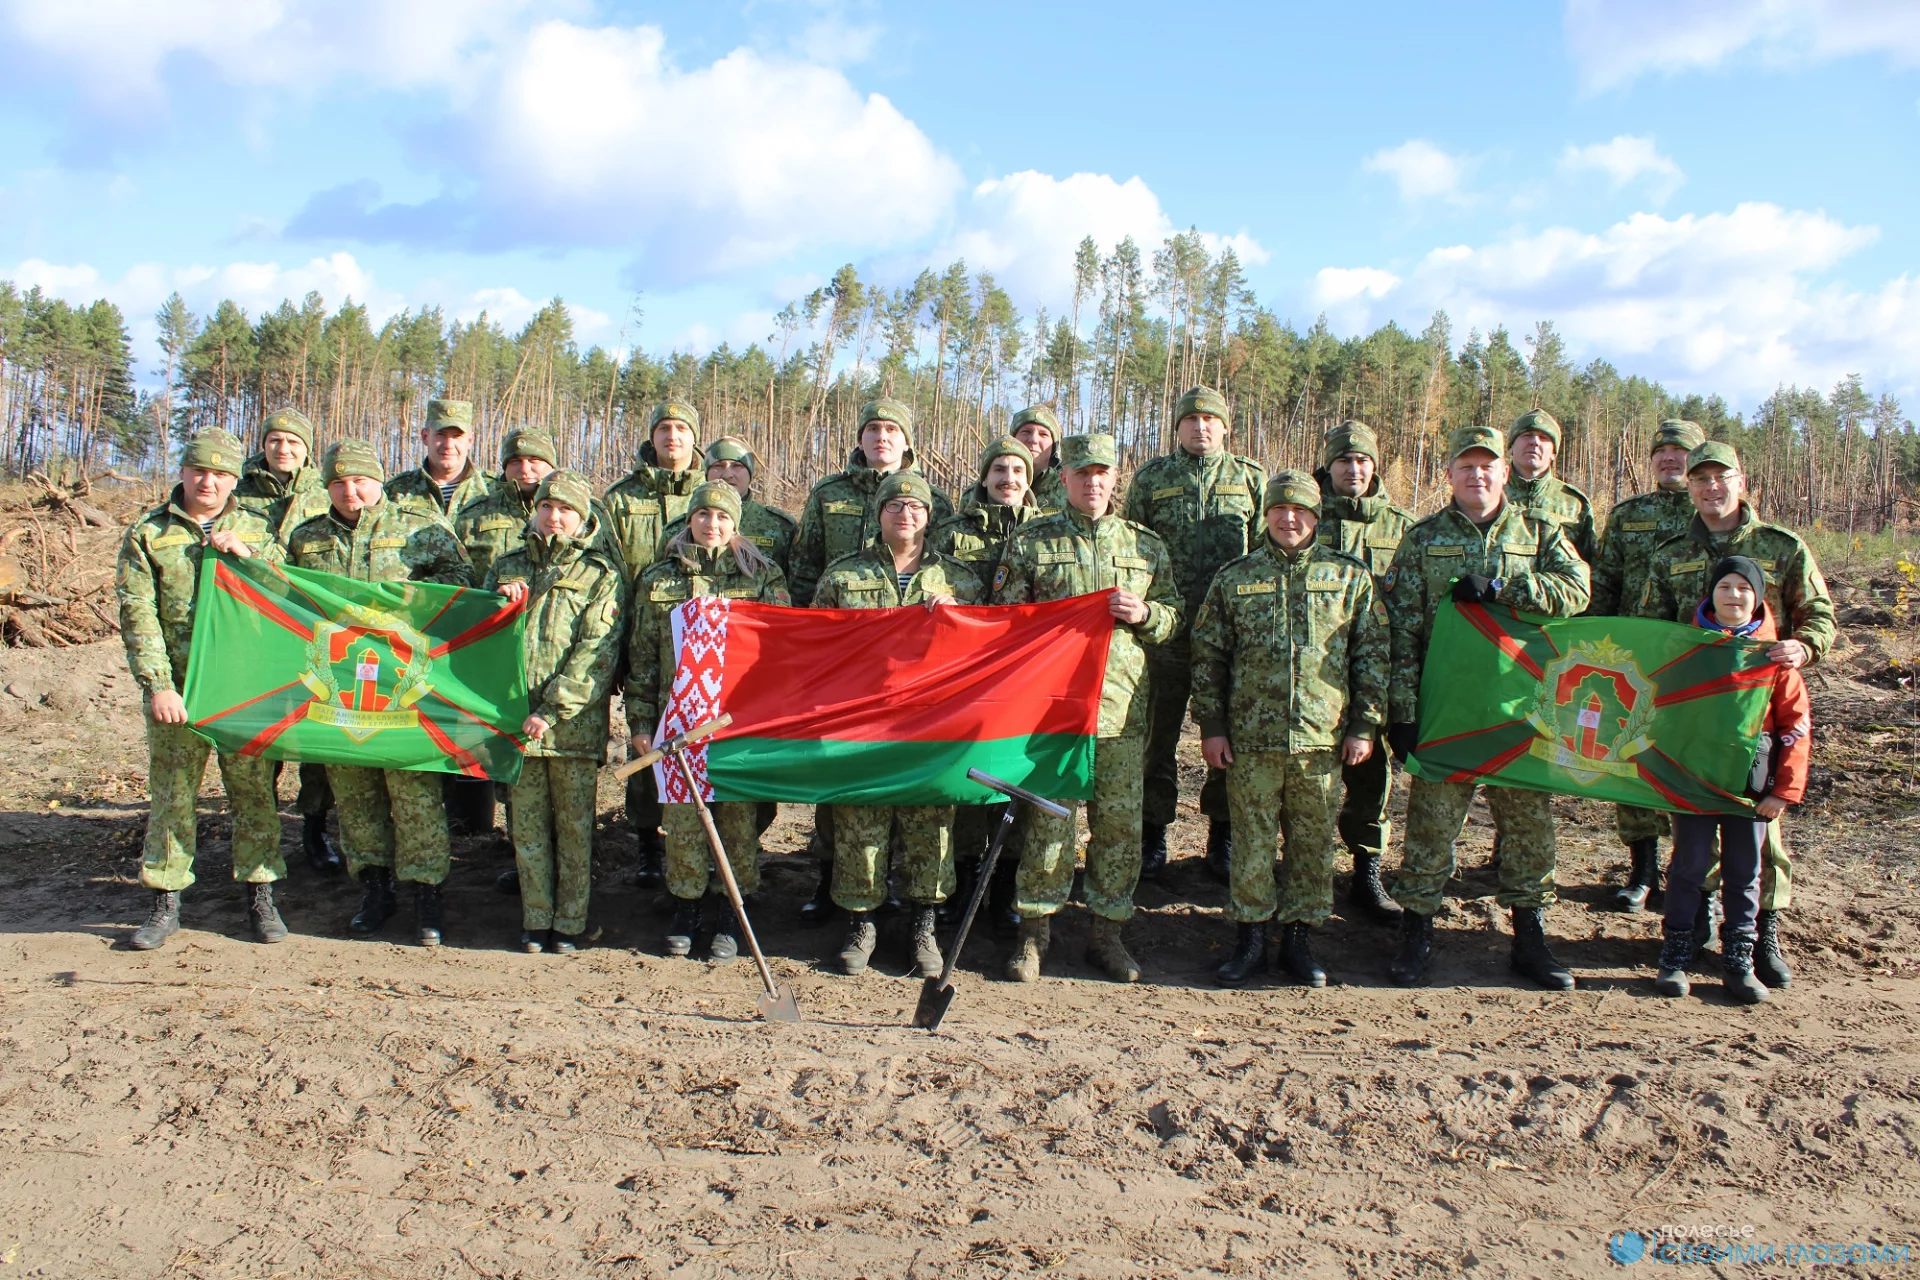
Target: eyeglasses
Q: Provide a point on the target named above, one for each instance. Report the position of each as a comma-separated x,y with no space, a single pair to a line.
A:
897,505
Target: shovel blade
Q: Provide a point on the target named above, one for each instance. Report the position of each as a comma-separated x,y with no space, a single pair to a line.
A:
779,1005
934,1002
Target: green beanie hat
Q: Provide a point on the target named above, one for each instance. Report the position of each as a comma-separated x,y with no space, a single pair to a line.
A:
529,442
1535,420
1465,438
569,487
884,410
1006,447
214,451
450,414
1687,435
678,409
1350,436
1295,489
1098,450
717,494
732,449
1040,413
353,458
905,484
1202,400
1713,453
291,421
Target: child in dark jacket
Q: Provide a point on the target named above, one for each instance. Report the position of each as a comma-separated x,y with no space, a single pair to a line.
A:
1736,603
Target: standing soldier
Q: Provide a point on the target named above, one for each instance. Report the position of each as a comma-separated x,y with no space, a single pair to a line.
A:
446,479
158,576
898,568
1679,577
1037,428
730,461
1635,529
575,591
1357,516
1290,659
1480,547
1204,503
393,821
1089,548
280,485
1533,443
496,522
708,558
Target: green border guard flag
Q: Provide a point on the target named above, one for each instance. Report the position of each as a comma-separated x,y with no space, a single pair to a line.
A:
289,664
1632,710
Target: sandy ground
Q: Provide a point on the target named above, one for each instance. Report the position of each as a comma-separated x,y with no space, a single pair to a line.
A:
332,1107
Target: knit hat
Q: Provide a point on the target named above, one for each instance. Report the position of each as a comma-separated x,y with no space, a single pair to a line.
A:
569,487
1535,420
884,410
214,451
450,415
1713,453
715,494
1098,450
1202,400
529,442
1687,435
1293,489
1465,438
1006,447
352,458
291,421
732,449
1744,566
677,409
1350,437
1040,413
905,484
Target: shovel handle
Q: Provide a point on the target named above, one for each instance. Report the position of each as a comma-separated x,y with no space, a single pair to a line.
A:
678,741
980,883
721,864
1021,794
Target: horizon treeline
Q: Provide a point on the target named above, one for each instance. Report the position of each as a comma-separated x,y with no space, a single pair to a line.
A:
1141,328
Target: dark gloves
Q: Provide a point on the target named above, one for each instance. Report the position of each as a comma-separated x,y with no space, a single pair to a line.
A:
1401,739
1476,589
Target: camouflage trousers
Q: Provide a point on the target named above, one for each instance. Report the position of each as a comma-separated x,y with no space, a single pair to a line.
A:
1169,687
1436,811
1776,871
1274,795
862,835
315,797
1046,845
392,818
1364,826
1635,824
552,817
690,858
176,761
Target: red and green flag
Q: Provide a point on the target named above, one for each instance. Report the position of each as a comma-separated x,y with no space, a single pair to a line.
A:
289,664
1632,710
888,706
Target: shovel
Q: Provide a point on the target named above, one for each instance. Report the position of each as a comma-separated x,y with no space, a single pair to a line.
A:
936,994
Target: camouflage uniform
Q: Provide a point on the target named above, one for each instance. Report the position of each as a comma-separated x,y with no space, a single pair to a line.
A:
1291,656
494,525
575,609
388,817
841,516
1542,574
1047,496
1547,496
1054,558
771,531
158,577
980,534
416,488
643,504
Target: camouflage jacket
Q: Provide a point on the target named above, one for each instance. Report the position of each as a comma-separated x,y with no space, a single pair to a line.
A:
866,580
417,488
493,524
840,518
770,529
1542,572
1677,577
1049,493
1635,530
1551,498
284,504
393,542
1070,554
575,627
158,577
642,505
1291,653
978,537
674,579
1368,527
1206,511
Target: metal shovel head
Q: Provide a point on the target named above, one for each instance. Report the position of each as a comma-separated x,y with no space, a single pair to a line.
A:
778,1005
934,1003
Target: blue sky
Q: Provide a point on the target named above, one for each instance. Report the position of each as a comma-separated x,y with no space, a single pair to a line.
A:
1717,194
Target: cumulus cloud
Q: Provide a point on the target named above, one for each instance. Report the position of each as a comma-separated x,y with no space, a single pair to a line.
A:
1623,160
1616,41
1421,171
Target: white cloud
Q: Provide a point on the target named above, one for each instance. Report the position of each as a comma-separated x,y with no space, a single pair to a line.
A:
1420,170
1623,160
1616,41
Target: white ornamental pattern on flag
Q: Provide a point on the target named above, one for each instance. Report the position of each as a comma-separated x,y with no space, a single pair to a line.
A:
700,638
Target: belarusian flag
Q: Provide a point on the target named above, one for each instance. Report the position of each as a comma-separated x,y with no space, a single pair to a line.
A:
290,664
888,706
1633,710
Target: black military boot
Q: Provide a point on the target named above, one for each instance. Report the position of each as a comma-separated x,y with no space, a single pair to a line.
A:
1001,895
1366,894
966,873
1706,923
376,901
1769,962
651,872
1249,953
686,924
429,914
1220,850
1531,958
819,909
1736,968
927,960
263,916
1676,953
1643,878
861,938
162,922
321,855
1410,963
723,947
1296,956
1153,849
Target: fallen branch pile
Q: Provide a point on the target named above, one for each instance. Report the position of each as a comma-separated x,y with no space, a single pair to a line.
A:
57,547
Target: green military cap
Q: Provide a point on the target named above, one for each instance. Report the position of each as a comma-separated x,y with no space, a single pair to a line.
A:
905,484
732,449
1535,420
1465,438
529,442
1202,400
1687,435
885,410
1097,450
291,421
1350,436
1713,453
352,458
569,487
214,451
716,494
1040,413
1006,447
679,410
450,415
1293,489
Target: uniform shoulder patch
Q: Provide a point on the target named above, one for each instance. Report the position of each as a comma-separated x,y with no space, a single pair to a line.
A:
1393,576
1000,577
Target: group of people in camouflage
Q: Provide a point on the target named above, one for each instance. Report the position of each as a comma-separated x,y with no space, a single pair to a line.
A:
1288,614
